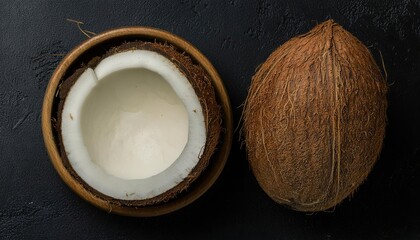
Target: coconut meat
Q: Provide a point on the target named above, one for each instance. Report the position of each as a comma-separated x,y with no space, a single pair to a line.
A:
133,127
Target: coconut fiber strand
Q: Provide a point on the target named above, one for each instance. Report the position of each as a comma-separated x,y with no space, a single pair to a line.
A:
314,119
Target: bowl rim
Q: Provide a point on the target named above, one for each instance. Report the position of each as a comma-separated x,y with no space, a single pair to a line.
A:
203,182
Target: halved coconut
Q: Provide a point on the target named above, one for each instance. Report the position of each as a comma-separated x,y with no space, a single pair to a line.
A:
139,124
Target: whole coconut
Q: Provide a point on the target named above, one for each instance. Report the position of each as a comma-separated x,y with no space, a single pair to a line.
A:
314,119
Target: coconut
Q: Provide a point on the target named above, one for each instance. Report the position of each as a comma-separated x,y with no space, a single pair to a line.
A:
138,125
314,119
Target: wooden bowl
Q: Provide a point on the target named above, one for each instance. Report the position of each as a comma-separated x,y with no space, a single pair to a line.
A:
97,46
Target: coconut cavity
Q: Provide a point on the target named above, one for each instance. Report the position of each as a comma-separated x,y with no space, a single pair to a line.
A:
132,123
314,119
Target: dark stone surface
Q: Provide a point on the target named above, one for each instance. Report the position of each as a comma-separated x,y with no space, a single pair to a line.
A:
236,36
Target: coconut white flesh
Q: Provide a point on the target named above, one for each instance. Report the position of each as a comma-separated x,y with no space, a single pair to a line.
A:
133,127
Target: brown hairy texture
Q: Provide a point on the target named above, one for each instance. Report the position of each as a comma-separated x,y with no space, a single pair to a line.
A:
200,81
314,119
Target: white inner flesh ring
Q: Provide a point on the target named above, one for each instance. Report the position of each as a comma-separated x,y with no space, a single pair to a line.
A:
133,127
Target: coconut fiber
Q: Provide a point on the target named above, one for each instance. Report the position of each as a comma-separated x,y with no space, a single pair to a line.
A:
314,119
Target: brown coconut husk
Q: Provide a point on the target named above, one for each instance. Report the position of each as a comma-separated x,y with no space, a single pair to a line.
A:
200,81
314,119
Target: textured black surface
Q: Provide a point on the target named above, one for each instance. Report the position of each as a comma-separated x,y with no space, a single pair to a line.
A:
236,36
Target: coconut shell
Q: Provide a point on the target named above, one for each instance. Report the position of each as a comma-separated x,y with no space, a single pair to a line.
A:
314,119
200,81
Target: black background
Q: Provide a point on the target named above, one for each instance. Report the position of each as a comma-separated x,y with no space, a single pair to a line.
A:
236,36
